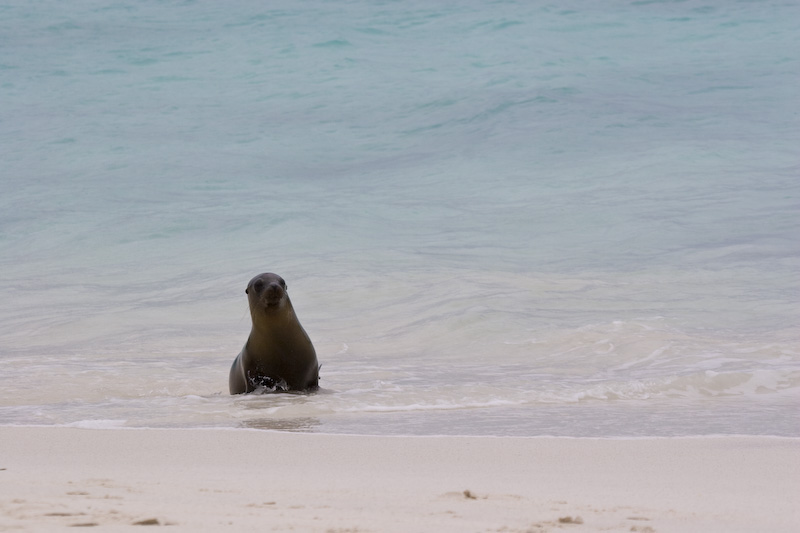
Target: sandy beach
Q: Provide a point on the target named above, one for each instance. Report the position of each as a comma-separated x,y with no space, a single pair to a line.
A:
207,480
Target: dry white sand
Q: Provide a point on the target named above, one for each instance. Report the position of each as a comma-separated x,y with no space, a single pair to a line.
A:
212,480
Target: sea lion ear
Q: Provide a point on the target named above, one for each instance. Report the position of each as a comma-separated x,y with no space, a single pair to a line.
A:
247,290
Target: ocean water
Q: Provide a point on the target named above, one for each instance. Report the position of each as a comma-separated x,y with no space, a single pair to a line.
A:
495,218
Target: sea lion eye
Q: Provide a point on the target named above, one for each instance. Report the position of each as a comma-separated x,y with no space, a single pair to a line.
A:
283,284
258,286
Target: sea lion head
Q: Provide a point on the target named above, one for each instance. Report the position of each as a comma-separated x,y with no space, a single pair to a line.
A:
267,292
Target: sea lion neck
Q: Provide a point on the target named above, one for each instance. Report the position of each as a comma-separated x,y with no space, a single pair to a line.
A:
268,317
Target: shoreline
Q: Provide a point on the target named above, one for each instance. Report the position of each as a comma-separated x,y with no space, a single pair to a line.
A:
91,425
201,480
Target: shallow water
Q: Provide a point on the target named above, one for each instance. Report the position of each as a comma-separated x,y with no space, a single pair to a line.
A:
494,219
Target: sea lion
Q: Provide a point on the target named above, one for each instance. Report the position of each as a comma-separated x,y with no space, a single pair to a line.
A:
278,355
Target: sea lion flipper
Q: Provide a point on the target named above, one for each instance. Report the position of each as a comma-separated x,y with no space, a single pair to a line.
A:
236,381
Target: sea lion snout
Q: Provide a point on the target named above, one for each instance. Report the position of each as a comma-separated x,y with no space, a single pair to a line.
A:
273,293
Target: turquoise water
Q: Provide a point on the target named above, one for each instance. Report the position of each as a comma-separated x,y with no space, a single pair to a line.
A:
507,218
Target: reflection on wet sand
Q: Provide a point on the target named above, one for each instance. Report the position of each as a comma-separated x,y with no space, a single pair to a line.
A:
299,425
